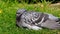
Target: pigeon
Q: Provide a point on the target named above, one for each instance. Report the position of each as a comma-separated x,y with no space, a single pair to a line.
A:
36,20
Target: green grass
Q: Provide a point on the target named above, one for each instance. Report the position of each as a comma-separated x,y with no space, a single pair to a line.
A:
8,17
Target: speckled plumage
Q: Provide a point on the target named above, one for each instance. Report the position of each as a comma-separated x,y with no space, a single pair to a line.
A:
35,20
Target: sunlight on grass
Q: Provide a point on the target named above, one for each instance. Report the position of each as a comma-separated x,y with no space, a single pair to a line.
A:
0,11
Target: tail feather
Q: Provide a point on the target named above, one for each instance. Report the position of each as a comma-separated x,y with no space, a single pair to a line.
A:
51,24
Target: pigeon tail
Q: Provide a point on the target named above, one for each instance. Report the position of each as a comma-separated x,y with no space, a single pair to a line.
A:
51,24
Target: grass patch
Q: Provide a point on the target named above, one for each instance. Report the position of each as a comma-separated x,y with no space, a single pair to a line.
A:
8,17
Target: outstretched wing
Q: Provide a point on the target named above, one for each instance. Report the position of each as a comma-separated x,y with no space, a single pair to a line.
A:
34,17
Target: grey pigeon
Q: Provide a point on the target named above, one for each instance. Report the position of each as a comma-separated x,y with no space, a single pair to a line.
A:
36,20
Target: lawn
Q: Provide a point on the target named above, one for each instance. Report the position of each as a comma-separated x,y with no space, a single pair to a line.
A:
8,17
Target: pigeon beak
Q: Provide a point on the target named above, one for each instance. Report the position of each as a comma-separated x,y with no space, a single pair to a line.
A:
18,15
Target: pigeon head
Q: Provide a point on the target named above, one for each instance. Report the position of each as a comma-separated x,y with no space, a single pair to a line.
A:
20,12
